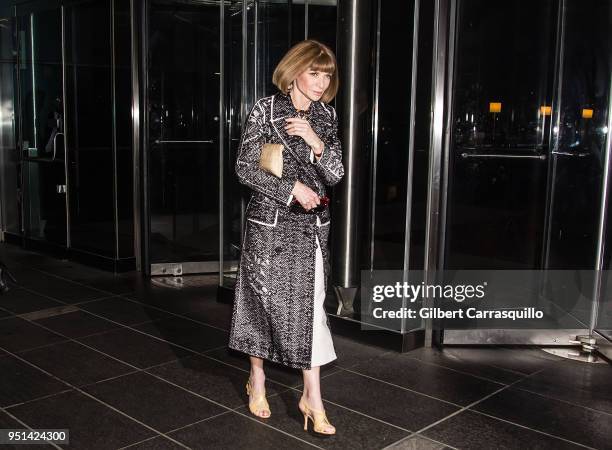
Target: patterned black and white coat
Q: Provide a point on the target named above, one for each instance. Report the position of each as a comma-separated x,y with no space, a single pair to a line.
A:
273,308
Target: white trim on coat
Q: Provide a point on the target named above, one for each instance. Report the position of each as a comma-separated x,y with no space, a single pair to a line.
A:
266,223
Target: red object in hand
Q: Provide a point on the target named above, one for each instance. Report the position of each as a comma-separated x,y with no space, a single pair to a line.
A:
324,203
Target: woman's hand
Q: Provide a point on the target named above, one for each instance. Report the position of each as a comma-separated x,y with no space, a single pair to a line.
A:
305,196
301,127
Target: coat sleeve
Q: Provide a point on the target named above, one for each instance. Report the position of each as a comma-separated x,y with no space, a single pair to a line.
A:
247,163
329,165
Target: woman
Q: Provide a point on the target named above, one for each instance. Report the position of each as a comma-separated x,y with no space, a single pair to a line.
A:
282,277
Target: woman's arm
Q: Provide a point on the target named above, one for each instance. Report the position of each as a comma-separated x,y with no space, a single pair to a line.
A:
329,164
247,163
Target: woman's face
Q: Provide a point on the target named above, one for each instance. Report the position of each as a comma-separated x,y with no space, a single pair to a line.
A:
312,83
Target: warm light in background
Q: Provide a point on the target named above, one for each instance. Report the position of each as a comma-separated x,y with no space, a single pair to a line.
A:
587,113
494,107
546,110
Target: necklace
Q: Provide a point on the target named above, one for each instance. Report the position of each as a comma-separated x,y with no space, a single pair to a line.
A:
301,113
304,114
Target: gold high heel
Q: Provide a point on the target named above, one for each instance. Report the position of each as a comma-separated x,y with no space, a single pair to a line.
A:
318,417
259,402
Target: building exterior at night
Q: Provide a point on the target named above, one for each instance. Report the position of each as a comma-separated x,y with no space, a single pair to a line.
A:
475,137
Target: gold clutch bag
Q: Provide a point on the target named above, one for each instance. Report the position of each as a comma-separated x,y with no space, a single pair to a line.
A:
271,159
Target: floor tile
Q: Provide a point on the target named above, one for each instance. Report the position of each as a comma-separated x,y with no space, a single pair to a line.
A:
20,301
134,348
17,335
417,443
353,430
20,382
506,366
233,431
77,324
197,303
383,401
75,363
469,430
214,380
153,401
60,289
97,278
156,443
587,385
350,352
439,382
123,311
91,424
575,423
186,332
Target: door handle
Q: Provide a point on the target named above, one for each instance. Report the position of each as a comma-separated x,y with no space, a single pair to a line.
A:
501,155
575,155
158,141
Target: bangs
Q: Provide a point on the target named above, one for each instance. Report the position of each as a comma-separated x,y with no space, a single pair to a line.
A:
323,63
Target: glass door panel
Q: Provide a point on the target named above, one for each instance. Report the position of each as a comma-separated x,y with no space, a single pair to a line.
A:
183,119
42,140
501,120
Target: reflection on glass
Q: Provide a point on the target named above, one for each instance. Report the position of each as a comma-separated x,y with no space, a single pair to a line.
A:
504,74
394,98
41,100
422,128
579,157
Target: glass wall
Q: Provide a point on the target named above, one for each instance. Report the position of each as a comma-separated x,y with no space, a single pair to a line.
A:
394,219
390,159
75,165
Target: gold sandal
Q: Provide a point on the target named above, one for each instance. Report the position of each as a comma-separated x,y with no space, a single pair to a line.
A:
318,417
259,402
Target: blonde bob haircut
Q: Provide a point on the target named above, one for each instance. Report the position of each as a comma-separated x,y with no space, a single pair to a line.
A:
307,55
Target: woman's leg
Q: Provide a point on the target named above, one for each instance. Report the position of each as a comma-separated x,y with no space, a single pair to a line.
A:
258,379
312,391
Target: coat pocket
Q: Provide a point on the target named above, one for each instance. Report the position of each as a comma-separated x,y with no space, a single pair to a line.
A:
263,213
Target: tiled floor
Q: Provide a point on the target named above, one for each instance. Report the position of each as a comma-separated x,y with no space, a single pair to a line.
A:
127,363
